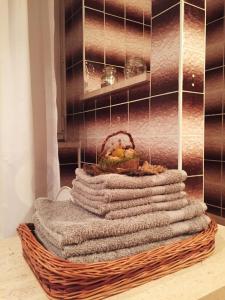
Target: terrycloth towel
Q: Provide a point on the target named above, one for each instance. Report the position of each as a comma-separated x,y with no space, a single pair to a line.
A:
102,208
117,181
151,235
110,195
65,223
112,255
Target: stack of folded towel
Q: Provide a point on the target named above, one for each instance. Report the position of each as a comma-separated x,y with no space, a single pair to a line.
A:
112,216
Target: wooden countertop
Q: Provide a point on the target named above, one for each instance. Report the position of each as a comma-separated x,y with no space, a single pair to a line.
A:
205,280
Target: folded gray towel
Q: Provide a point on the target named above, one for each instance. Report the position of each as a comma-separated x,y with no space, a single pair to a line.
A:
65,223
109,195
191,226
102,208
131,211
117,181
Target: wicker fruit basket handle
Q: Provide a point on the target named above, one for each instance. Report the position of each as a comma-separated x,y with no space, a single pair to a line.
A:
114,134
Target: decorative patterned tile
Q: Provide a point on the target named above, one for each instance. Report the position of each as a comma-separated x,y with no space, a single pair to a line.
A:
213,137
165,52
215,10
192,154
214,44
164,115
192,114
158,6
194,188
214,90
94,33
114,40
115,7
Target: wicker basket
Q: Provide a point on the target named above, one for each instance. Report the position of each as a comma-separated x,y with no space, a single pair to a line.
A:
65,280
129,164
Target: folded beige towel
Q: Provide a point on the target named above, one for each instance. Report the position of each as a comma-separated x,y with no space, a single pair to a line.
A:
194,225
131,211
66,223
117,181
115,254
102,208
109,195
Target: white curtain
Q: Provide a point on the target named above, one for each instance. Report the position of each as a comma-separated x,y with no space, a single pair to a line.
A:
29,165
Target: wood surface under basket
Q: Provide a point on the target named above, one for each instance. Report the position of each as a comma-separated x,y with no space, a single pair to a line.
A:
62,279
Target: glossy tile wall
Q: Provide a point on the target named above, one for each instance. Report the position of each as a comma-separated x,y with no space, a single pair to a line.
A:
215,109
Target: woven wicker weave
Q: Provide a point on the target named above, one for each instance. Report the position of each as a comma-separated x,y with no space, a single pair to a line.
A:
65,280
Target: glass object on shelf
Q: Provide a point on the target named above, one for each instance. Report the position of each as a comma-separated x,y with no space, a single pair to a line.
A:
90,73
134,66
109,76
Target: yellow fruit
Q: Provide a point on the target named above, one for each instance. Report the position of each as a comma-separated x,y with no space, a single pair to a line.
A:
118,152
129,153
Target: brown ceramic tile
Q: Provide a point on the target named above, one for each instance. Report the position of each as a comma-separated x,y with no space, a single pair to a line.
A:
93,74
164,151
70,134
223,139
119,97
76,5
199,3
114,40
165,52
147,46
164,115
194,188
119,117
67,9
223,184
78,106
94,35
67,153
135,10
139,92
192,154
215,10
89,104
159,6
97,4
103,101
147,4
90,126
142,148
213,137
134,39
67,174
214,91
192,114
214,44
115,7
214,210
139,119
90,151
102,122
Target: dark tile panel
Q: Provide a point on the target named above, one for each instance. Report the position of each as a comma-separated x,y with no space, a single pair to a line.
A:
90,151
102,124
135,10
142,148
147,4
223,138
214,210
194,188
114,40
199,3
147,46
67,174
159,6
67,9
213,182
93,74
70,133
103,101
97,4
192,114
78,106
134,39
223,185
90,126
214,10
119,117
82,133
139,119
75,5
89,104
119,97
213,137
164,115
192,154
164,151
67,153
115,7
214,44
139,92
165,52
214,90
94,35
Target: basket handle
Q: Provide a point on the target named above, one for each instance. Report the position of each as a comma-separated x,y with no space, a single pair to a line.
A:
116,133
